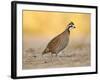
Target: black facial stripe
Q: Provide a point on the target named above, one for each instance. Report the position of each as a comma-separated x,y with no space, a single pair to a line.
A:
70,25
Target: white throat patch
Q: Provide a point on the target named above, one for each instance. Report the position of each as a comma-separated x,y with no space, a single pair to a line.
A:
71,28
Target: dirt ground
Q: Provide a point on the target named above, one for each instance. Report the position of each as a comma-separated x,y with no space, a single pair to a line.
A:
76,54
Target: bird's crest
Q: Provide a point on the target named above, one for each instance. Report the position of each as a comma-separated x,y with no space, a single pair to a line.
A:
71,23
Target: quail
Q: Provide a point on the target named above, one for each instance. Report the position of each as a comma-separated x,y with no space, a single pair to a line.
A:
59,42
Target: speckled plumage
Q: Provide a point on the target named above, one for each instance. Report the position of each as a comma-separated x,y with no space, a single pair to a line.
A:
59,42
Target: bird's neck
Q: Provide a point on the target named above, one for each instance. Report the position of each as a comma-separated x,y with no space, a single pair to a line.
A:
67,31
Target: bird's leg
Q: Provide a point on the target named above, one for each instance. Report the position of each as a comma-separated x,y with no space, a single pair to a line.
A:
58,58
56,54
51,57
52,53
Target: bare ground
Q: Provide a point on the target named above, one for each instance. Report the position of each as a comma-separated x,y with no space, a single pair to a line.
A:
76,54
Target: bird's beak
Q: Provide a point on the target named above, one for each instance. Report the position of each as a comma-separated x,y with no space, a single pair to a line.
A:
74,27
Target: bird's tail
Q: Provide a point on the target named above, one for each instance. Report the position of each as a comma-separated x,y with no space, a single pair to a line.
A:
45,51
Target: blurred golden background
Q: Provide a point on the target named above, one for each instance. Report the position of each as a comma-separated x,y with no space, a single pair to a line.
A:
44,24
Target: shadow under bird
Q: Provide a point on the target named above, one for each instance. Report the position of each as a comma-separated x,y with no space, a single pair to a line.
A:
58,43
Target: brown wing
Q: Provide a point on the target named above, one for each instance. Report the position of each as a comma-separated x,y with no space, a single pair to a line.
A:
54,43
59,42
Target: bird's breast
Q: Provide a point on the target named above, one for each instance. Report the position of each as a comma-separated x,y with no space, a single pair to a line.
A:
64,41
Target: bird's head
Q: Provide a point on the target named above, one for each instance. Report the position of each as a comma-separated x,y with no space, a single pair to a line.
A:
71,26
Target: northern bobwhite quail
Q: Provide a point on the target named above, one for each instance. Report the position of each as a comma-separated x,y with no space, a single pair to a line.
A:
58,43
